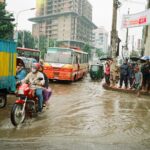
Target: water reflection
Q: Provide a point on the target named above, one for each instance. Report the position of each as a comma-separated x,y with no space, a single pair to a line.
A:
85,109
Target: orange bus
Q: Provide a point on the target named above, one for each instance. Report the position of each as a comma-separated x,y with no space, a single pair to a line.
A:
65,64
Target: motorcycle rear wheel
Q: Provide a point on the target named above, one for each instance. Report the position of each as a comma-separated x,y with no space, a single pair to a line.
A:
17,116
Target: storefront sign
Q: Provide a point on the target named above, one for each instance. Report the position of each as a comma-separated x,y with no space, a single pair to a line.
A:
135,20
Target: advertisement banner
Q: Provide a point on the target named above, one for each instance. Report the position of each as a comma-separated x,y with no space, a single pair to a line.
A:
136,20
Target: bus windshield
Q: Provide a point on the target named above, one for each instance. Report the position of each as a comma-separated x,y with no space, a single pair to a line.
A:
57,55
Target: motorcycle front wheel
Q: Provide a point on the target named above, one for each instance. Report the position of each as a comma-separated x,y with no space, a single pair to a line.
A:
17,114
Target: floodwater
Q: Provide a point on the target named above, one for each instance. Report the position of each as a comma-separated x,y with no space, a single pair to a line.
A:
82,116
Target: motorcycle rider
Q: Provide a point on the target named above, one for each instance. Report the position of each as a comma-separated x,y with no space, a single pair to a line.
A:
36,84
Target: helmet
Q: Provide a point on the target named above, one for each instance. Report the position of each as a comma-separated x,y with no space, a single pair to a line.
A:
36,66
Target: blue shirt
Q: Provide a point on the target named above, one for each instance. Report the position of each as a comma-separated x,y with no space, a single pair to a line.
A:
21,74
138,77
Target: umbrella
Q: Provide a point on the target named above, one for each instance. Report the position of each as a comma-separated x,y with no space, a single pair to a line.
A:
105,58
134,58
145,58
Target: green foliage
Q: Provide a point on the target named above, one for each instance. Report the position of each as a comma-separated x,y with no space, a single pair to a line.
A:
26,39
87,48
100,53
6,26
54,43
134,54
51,43
43,44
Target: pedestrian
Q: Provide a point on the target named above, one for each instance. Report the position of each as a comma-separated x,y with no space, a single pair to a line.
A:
131,74
107,73
124,73
113,73
137,83
146,75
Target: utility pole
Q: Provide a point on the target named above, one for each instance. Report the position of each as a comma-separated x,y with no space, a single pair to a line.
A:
23,37
127,33
114,34
133,43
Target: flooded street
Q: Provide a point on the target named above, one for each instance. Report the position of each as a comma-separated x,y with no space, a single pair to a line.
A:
82,116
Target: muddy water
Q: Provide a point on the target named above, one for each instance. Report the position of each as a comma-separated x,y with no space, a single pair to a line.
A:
82,115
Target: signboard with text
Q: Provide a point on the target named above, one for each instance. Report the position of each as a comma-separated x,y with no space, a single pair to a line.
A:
136,20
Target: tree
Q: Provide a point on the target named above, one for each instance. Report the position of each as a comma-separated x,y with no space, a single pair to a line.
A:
51,43
100,53
134,54
43,44
6,26
25,39
88,49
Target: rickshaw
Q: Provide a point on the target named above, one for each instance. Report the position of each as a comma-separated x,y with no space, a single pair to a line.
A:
96,71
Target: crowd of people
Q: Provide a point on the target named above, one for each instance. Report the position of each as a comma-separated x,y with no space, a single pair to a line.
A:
133,75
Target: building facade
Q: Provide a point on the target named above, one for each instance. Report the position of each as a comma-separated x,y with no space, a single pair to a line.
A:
2,1
100,39
146,37
64,20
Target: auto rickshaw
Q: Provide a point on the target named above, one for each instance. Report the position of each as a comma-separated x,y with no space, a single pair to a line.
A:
96,72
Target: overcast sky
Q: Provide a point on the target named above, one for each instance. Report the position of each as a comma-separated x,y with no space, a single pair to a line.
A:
102,13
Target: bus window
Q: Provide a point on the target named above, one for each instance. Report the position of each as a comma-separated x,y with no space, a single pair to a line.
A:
57,55
76,59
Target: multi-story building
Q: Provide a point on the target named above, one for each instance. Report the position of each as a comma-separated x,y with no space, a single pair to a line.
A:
64,20
2,1
146,36
100,39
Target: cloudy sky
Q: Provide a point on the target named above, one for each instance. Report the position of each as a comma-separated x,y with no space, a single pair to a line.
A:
102,13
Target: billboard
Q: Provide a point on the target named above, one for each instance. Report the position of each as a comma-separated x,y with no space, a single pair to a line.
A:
136,20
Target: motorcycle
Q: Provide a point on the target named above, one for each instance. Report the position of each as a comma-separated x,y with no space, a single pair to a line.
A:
26,105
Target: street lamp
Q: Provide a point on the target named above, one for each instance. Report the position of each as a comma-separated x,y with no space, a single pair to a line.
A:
17,17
